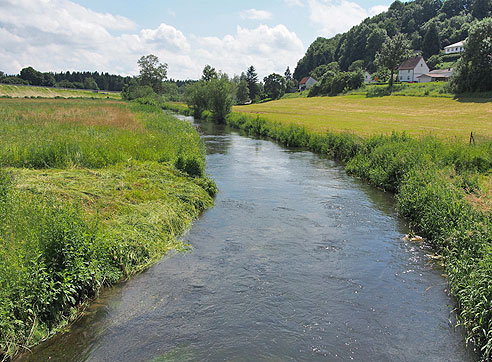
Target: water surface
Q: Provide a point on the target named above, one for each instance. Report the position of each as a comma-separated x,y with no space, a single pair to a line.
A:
296,262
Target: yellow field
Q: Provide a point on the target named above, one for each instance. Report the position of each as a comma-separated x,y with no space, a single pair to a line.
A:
21,91
442,117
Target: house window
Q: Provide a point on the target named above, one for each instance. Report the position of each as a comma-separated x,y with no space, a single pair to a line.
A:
408,78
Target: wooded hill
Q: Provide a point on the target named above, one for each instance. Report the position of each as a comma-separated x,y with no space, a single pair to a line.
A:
430,25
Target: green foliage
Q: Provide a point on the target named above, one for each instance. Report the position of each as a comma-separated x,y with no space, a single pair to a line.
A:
215,95
481,9
393,52
242,92
431,44
152,72
474,69
252,79
274,86
333,83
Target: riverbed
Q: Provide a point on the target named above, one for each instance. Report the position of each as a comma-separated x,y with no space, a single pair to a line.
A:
296,262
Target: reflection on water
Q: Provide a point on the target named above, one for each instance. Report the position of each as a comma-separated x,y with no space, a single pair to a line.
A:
296,262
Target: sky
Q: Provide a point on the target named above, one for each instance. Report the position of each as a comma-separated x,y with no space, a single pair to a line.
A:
111,35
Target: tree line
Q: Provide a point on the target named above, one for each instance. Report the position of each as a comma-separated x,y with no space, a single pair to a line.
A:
74,80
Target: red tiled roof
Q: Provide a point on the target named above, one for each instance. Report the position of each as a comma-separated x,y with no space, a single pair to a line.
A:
410,63
304,80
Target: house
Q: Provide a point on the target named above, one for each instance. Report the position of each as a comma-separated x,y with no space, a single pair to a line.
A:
412,68
306,83
437,75
458,47
368,78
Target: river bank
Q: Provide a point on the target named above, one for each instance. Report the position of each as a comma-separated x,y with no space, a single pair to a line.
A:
91,192
440,187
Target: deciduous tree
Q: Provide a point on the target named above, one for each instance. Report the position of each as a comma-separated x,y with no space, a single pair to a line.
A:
152,72
393,52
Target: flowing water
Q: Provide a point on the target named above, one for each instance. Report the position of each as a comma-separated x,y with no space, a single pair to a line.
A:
296,262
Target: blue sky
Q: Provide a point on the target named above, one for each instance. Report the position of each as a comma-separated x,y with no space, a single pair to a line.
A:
111,35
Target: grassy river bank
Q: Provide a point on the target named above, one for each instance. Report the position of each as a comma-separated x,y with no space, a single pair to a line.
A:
91,192
442,187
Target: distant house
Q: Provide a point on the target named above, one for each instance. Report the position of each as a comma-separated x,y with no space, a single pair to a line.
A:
458,47
438,75
368,78
306,83
412,68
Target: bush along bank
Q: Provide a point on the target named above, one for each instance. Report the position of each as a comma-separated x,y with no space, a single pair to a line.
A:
439,187
88,214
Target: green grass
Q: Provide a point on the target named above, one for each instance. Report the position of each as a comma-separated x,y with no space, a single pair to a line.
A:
90,192
25,91
446,118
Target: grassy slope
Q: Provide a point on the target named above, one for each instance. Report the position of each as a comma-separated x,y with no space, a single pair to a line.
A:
442,117
89,194
22,91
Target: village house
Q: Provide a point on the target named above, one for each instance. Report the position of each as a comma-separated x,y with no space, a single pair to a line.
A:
412,68
306,83
458,47
368,78
438,75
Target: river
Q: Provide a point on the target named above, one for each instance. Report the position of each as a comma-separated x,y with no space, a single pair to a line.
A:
296,262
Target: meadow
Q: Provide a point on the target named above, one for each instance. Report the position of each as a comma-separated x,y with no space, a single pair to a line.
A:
447,118
91,192
24,91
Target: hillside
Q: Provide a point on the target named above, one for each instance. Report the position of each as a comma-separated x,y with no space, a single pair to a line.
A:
415,19
23,91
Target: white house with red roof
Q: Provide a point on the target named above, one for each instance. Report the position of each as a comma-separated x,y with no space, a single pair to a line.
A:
306,83
411,69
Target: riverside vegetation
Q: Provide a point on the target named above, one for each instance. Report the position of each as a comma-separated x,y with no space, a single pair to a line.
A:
90,193
443,188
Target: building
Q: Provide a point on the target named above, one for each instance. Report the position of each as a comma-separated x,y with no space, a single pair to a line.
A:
438,75
458,47
412,68
306,83
368,78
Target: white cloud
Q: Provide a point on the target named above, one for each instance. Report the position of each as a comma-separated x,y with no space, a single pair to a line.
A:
293,3
378,9
337,16
59,35
254,14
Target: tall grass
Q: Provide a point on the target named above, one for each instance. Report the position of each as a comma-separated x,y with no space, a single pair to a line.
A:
90,193
59,134
434,181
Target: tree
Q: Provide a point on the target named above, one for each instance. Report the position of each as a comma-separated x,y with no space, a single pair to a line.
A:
209,73
481,9
242,92
90,83
287,74
474,69
393,52
33,76
431,44
220,93
274,86
252,79
152,72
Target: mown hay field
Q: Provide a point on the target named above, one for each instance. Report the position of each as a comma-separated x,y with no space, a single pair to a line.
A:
23,91
442,117
91,191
